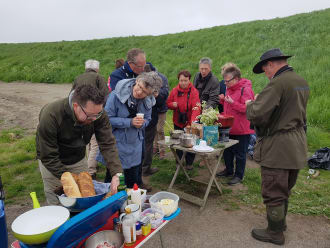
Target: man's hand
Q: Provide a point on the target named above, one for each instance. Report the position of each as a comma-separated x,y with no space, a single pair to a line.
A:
114,184
175,104
247,102
229,99
137,122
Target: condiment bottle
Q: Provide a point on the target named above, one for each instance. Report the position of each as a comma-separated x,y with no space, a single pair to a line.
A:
121,185
136,196
128,227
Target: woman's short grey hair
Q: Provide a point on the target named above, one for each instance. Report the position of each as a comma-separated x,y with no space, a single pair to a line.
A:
92,64
151,80
231,68
206,60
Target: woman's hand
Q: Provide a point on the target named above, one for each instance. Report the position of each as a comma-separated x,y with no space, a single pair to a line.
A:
175,104
114,184
229,99
221,97
137,122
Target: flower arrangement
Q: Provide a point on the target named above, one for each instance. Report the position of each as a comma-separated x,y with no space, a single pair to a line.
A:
209,116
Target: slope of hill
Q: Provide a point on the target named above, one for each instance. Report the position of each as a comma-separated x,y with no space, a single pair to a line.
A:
306,36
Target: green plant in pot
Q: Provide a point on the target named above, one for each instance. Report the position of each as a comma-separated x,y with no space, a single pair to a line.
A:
209,119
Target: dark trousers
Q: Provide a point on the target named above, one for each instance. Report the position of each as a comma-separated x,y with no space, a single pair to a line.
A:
276,185
237,151
190,157
149,140
133,175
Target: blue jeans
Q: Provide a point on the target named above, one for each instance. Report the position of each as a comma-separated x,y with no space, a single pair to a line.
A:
237,151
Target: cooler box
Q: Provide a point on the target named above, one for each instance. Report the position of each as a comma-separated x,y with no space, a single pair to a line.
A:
3,226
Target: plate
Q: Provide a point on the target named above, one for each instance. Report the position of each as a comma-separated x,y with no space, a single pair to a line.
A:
199,148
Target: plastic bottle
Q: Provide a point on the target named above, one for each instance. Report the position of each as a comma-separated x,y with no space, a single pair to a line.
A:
122,185
136,196
129,228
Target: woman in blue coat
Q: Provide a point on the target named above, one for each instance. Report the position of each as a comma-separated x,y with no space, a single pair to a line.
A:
130,97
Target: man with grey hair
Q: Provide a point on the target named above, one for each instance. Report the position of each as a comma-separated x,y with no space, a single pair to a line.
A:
207,84
133,66
92,77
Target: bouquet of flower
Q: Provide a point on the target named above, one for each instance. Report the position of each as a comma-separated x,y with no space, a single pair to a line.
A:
209,116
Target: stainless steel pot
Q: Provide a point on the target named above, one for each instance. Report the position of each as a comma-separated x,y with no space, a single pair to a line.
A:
109,236
188,140
175,134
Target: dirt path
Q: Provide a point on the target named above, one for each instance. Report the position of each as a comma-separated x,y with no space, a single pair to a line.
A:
20,104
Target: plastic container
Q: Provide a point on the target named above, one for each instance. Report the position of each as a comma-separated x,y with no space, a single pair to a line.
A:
155,215
155,202
225,120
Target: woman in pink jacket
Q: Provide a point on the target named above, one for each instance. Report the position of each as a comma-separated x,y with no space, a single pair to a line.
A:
238,91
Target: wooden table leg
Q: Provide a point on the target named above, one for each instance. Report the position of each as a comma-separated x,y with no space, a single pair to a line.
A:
180,161
212,179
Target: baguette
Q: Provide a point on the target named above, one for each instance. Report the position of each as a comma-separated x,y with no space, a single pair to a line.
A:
70,187
85,183
75,176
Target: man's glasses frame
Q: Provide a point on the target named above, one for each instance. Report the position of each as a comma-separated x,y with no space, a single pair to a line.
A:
91,117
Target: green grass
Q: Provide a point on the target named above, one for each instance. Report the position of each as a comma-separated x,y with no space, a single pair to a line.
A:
18,167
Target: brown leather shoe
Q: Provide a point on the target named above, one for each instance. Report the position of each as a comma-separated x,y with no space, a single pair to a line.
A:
150,171
266,235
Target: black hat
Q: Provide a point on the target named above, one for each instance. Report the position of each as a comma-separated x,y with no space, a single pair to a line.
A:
272,54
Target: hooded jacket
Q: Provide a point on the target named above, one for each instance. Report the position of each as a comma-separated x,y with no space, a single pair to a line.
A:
239,92
179,96
129,138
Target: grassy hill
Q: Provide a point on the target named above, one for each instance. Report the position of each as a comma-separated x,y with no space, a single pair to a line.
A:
306,36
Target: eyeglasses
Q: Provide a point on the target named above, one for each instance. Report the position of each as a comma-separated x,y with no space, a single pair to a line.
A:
227,81
91,117
139,66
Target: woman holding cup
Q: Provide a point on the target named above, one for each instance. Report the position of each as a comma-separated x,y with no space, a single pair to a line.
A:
184,101
129,110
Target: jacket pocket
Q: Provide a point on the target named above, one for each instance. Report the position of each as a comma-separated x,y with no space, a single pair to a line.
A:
131,135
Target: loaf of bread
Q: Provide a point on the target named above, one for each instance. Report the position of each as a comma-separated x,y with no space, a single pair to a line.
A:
85,183
70,187
75,176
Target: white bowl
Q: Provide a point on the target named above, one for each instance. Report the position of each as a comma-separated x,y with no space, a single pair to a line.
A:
167,209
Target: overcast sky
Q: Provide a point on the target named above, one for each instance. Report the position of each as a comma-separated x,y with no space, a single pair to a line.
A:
56,20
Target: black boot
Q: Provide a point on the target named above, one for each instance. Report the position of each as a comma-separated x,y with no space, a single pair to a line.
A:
274,232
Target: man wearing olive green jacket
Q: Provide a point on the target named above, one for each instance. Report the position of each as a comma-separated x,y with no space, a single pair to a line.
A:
65,127
279,117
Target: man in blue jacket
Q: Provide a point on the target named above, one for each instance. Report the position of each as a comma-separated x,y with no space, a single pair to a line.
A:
133,66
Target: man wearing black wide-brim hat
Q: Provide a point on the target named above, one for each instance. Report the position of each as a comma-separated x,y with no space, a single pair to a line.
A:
278,115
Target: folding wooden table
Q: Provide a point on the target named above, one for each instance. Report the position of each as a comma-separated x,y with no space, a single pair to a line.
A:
212,171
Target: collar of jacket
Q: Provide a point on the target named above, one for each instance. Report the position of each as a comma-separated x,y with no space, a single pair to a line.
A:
68,108
124,90
283,69
203,80
186,89
128,70
90,70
